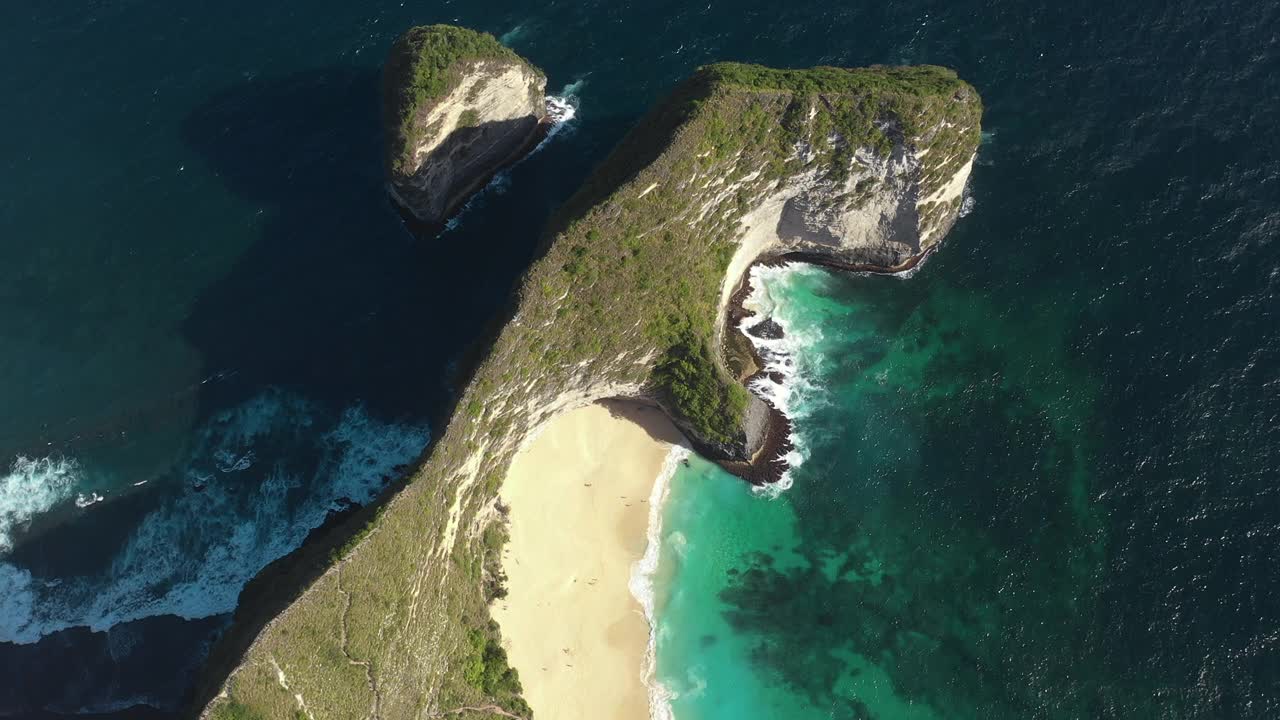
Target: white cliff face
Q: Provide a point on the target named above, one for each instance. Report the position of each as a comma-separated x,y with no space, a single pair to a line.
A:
948,200
487,121
874,217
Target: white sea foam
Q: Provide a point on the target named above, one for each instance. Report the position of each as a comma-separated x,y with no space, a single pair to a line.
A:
641,583
17,600
513,34
794,394
794,357
191,556
561,109
31,487
83,501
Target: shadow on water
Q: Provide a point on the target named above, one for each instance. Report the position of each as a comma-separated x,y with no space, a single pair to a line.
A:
337,301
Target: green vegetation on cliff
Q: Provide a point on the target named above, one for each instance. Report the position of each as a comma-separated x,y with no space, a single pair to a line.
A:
425,64
725,136
624,300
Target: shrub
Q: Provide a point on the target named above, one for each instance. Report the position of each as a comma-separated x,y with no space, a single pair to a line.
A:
426,63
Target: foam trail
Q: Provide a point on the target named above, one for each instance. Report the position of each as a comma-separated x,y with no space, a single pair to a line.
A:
83,501
642,579
30,488
260,477
783,385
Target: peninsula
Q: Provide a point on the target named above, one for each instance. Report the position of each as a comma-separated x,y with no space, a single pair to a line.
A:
631,298
458,106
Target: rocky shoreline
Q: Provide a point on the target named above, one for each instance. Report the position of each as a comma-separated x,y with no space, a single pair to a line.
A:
768,465
281,582
629,296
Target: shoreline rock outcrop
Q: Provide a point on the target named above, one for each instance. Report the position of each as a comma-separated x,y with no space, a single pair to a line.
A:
641,274
458,107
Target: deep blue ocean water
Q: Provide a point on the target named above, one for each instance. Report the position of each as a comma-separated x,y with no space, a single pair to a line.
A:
211,318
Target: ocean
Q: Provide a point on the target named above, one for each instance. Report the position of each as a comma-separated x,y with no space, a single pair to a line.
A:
1035,479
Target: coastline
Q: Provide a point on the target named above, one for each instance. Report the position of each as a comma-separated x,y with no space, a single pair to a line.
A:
560,110
770,465
579,505
565,342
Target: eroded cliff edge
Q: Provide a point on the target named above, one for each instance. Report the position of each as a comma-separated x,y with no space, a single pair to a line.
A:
457,107
858,168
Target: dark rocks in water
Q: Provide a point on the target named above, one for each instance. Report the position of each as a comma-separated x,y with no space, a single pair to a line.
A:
767,330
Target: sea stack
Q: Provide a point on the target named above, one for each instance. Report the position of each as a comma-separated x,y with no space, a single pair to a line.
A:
633,297
458,106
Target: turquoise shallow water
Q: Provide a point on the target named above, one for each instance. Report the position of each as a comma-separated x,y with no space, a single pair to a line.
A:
941,550
1056,444
708,664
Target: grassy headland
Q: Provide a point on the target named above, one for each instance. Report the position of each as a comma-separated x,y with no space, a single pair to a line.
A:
624,301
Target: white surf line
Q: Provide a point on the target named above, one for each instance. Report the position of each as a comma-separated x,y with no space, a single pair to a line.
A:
32,487
642,578
778,356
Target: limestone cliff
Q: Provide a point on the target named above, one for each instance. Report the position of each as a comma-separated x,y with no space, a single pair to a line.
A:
861,168
458,107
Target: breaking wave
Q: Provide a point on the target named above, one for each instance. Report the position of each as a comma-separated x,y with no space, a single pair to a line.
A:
782,383
510,36
561,109
260,477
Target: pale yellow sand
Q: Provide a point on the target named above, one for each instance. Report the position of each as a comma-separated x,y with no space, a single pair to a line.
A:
578,498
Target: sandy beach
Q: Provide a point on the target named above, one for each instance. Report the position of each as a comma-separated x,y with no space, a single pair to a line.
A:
578,498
